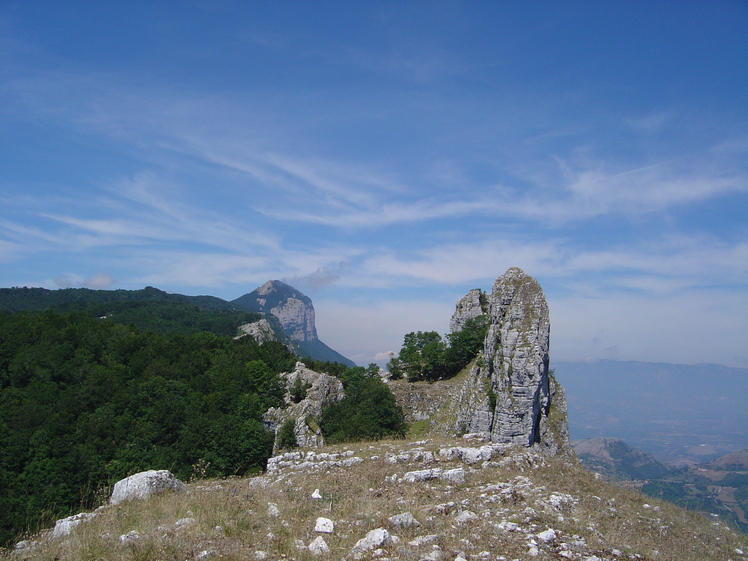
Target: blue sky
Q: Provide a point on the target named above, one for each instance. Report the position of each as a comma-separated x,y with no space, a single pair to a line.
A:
387,157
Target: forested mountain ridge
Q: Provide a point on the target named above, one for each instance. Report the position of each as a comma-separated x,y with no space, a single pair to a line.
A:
18,299
289,312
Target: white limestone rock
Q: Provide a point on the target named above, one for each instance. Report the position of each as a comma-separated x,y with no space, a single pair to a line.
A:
404,520
65,526
145,484
129,538
373,540
318,546
422,475
470,306
547,536
466,516
260,331
455,476
324,525
508,395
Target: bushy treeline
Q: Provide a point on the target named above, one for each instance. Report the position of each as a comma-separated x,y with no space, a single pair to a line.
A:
85,402
368,411
425,355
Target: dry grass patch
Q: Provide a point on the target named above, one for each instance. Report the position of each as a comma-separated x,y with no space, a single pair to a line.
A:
499,512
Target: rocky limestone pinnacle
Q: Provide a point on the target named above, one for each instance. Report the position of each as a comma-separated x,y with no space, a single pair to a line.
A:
508,393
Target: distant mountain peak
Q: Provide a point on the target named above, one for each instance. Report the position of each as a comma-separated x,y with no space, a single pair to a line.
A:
295,312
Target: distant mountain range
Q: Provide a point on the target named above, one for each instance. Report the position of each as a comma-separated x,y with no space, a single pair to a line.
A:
289,312
682,414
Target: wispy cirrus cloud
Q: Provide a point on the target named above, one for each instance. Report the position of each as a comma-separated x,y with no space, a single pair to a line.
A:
654,266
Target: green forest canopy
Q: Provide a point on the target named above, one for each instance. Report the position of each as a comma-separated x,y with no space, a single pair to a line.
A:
86,401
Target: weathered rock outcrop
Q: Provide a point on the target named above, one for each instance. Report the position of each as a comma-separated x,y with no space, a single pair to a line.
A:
507,394
261,331
307,392
470,306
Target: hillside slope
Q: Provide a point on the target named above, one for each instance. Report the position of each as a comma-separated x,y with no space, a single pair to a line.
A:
617,459
435,499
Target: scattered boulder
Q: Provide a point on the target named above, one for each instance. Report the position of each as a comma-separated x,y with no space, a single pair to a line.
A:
547,536
145,484
324,525
373,540
404,520
318,546
466,516
65,526
129,538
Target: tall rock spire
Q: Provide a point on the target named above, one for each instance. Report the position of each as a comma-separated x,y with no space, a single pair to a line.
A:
509,393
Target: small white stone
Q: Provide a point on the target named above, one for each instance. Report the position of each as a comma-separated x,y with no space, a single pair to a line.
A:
374,539
316,494
183,523
533,551
404,520
273,510
423,540
324,525
466,516
318,546
547,536
129,537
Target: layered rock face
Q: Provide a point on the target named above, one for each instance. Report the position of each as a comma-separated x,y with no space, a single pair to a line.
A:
470,306
294,310
295,313
508,394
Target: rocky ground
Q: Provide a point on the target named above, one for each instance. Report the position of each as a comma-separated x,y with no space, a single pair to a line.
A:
434,499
